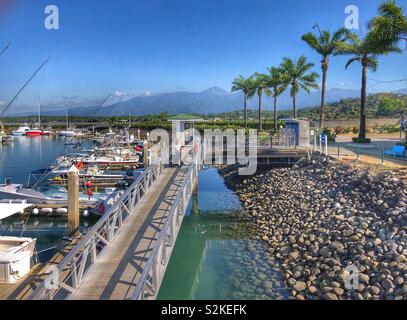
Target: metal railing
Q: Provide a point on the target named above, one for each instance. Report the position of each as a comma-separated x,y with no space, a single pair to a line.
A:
72,270
153,272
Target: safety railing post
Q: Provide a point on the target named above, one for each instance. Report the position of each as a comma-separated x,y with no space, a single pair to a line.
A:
382,156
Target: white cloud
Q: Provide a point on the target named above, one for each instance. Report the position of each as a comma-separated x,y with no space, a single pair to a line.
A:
2,103
120,94
148,93
345,84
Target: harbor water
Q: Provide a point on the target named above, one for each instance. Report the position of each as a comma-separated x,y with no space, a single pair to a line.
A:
17,160
217,254
26,154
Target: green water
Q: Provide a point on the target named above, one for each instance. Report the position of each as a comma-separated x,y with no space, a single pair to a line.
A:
217,254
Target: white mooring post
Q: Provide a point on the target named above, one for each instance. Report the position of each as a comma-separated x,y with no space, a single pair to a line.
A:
73,200
320,144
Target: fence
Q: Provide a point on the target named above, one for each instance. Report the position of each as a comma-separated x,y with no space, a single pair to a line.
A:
357,152
153,272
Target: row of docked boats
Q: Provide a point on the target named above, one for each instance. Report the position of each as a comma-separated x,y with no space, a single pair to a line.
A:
104,172
25,130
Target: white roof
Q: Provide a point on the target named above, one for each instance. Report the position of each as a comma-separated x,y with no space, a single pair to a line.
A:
8,209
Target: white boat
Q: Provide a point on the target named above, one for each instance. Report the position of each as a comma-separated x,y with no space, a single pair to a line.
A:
15,252
21,131
67,133
6,138
15,258
43,195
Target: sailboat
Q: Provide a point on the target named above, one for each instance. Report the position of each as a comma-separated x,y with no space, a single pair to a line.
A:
36,131
67,132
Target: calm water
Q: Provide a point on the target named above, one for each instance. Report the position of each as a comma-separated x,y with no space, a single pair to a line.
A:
217,255
27,154
17,160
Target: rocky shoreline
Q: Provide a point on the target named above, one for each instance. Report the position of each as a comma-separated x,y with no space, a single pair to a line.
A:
338,232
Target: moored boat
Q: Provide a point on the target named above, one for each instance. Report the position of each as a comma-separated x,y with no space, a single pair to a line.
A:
21,131
34,132
67,133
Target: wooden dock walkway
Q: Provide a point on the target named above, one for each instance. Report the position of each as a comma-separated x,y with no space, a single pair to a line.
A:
114,276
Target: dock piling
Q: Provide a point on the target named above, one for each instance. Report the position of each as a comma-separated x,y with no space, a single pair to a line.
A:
73,200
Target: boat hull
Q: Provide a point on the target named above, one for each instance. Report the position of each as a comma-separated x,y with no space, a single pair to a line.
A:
34,133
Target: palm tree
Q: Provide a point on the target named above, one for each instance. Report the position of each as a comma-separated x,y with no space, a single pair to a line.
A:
326,45
261,86
247,86
296,74
390,25
277,84
365,51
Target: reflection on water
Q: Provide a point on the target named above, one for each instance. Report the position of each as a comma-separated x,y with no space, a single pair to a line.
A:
217,254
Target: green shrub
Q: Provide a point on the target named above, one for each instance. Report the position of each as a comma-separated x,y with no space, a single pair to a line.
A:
361,140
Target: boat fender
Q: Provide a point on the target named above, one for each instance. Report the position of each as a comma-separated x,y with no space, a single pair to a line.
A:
61,211
46,210
85,213
35,211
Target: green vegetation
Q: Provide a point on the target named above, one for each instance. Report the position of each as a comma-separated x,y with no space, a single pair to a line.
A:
261,86
376,106
326,44
247,86
298,76
277,86
361,140
384,34
390,106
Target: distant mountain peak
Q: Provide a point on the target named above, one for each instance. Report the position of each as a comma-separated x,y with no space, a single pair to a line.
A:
217,91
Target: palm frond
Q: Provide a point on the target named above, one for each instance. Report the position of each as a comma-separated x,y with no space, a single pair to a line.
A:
352,60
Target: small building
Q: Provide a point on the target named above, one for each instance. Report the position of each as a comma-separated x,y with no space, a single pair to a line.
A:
300,129
182,132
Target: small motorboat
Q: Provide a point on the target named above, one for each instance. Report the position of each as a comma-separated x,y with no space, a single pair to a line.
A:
6,138
15,252
15,258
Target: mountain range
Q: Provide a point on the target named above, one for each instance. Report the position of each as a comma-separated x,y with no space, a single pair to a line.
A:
209,101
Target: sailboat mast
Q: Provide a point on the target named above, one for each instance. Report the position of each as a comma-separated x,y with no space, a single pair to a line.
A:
67,119
39,112
23,87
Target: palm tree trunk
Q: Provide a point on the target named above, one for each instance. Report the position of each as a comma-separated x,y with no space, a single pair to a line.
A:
322,114
275,114
362,125
260,124
245,111
294,107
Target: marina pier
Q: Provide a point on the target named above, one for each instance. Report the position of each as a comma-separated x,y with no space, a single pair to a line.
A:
124,256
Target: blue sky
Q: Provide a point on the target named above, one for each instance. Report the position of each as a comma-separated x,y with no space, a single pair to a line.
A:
144,46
